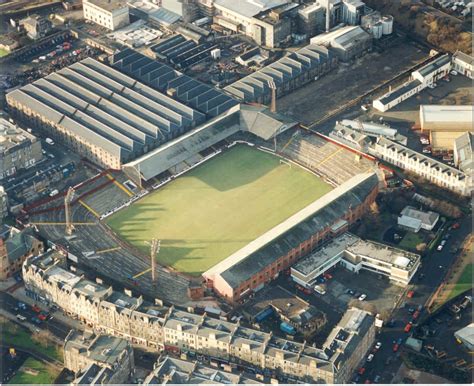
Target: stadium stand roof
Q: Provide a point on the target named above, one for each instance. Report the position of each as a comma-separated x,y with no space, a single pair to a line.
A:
262,122
261,252
172,153
282,71
108,108
199,96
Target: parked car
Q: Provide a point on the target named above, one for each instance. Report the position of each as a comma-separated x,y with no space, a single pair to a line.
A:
440,247
410,294
362,297
21,306
370,357
378,345
408,327
456,225
327,276
35,308
350,292
395,348
35,320
361,371
20,317
319,289
377,379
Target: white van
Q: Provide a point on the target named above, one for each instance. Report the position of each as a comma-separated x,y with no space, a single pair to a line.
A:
21,317
53,193
49,141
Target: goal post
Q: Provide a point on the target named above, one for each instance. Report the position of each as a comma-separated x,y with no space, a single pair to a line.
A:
282,161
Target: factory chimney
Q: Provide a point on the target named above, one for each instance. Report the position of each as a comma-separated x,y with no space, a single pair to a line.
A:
328,15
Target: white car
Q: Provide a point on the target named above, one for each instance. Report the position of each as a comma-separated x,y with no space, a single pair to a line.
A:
362,297
320,290
370,357
378,345
440,247
454,72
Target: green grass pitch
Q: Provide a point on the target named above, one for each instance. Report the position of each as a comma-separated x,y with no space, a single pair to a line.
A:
210,212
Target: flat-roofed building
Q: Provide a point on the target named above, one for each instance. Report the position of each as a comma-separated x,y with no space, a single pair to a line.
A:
18,149
445,123
356,254
109,14
432,170
463,64
266,21
98,359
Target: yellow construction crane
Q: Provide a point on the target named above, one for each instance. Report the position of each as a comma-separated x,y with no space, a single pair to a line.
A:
67,210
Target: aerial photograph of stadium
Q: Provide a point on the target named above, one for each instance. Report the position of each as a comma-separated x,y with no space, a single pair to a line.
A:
236,192
208,213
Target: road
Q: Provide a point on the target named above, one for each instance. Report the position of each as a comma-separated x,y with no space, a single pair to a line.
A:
433,270
58,328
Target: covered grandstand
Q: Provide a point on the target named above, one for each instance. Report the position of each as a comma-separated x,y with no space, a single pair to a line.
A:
258,262
288,74
164,78
184,148
103,114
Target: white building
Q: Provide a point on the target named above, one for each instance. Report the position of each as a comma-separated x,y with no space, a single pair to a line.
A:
466,336
445,123
463,152
414,219
265,21
109,14
419,80
437,172
463,64
356,254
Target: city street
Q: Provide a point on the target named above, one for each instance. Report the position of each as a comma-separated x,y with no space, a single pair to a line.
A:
433,270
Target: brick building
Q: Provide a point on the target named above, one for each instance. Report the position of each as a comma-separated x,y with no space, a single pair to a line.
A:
261,261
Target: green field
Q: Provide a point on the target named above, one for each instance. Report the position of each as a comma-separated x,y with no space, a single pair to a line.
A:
35,372
16,336
3,52
215,209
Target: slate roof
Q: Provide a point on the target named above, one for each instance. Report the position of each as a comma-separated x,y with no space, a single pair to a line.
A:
281,72
108,108
193,93
323,218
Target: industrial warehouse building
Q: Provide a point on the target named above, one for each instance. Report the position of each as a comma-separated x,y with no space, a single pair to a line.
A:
268,22
109,117
346,42
287,74
356,254
420,79
445,123
260,261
